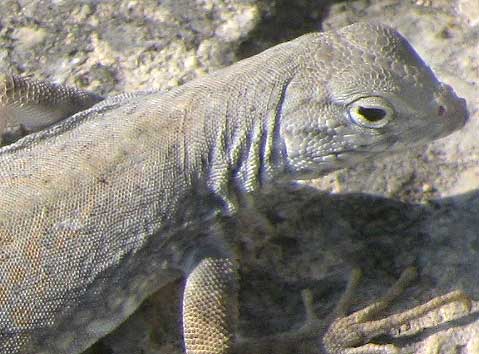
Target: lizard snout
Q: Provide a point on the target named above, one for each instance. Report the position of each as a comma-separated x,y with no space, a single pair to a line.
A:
451,110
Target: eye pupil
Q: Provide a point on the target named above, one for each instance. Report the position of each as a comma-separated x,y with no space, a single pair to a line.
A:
372,114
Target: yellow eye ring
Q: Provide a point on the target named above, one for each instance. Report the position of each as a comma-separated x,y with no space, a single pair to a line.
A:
371,112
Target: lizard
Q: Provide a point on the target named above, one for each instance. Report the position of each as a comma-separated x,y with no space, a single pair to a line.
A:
108,205
28,105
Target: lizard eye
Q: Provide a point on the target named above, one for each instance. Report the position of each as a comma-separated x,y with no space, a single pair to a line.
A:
371,112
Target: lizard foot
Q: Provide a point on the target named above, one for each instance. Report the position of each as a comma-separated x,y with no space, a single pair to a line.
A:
350,334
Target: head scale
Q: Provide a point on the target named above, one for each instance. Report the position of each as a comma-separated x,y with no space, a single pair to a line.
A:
359,92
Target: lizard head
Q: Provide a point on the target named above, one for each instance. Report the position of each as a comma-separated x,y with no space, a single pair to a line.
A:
359,92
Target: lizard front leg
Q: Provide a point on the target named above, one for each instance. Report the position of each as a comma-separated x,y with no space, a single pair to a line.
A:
210,307
210,314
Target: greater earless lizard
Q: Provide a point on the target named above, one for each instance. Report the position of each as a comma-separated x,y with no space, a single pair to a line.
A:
103,208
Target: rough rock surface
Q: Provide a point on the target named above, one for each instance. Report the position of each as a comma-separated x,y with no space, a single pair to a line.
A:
418,208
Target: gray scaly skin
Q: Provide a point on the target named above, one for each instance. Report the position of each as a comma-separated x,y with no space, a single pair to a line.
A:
28,105
105,207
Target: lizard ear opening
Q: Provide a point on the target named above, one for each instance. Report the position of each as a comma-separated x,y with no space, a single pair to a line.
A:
371,112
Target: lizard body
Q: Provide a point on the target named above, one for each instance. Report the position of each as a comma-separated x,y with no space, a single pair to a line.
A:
102,209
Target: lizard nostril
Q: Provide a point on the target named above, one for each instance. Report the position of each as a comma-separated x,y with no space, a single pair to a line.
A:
441,110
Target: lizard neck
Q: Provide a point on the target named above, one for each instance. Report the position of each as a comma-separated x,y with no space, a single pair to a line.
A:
231,129
247,151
